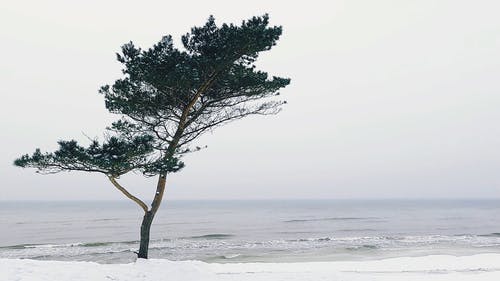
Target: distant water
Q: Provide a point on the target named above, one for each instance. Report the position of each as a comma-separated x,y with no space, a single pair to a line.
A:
244,231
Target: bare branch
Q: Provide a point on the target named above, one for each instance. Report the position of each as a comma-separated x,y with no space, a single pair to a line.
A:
130,196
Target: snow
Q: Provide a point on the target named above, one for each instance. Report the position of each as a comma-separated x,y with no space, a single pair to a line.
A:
483,267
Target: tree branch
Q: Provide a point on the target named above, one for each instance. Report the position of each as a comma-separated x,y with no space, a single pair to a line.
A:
130,196
182,122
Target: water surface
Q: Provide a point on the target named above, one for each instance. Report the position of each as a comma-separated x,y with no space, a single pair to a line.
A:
241,231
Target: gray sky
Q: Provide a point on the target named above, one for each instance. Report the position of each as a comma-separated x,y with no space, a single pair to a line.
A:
389,99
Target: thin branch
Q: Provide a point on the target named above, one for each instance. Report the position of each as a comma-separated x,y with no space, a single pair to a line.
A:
227,117
130,196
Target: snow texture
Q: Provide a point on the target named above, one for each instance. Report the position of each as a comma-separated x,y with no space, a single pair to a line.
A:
483,267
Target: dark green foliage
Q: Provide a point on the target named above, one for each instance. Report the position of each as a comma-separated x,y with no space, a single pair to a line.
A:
115,157
168,97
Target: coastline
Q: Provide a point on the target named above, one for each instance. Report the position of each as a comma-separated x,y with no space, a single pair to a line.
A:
480,267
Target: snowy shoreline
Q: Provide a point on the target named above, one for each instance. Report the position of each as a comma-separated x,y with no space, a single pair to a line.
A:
436,267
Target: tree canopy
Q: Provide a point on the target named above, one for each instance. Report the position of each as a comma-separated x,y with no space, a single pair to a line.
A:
169,96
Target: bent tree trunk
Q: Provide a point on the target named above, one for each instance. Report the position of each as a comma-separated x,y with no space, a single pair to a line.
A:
149,215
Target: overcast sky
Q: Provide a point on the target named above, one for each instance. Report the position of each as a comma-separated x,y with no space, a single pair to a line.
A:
389,99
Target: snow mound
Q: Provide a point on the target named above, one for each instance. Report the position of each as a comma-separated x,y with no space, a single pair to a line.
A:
483,267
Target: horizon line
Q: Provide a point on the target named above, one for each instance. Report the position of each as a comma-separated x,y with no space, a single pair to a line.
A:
266,199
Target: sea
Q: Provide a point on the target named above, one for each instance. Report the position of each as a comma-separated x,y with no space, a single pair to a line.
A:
250,231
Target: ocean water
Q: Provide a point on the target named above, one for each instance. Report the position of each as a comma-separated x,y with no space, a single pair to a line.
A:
250,231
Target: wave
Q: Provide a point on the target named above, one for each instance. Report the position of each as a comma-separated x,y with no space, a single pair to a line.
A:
53,245
16,247
331,219
356,229
226,257
67,245
494,234
218,247
321,239
362,247
212,236
110,219
96,244
213,240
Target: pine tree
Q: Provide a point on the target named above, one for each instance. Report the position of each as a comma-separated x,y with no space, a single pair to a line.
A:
166,99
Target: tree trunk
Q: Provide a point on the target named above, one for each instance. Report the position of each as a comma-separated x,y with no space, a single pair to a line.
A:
147,220
145,228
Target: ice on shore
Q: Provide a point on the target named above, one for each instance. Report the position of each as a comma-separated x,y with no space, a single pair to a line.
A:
430,268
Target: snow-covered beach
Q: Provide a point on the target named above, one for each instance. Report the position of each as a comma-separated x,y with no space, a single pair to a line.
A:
481,267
